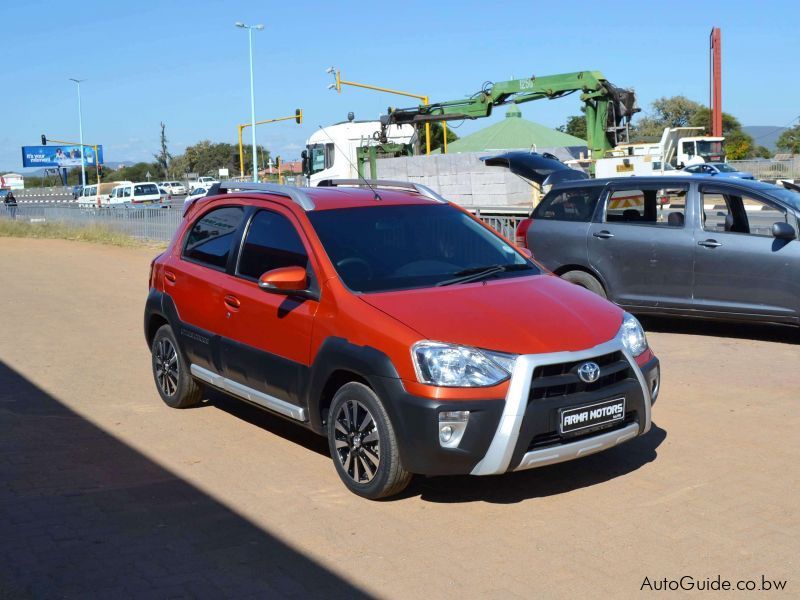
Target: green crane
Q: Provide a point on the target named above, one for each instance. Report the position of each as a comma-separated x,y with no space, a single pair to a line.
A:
608,109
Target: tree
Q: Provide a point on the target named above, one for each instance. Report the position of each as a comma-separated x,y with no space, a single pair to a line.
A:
676,111
762,152
738,145
206,158
789,141
702,118
575,125
437,139
163,158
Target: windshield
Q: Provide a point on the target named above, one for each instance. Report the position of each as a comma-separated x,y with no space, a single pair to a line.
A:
709,148
320,157
786,196
725,168
382,248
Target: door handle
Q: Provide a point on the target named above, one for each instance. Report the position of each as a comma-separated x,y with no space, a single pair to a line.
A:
709,244
603,235
170,276
232,302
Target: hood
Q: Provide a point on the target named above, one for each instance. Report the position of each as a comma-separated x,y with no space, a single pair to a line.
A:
521,315
544,169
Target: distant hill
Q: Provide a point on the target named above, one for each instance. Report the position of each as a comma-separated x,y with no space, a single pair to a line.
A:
765,135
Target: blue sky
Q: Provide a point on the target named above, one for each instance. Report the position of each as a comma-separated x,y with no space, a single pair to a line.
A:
185,63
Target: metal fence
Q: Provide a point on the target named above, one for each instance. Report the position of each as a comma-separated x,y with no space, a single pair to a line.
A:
152,224
160,223
769,169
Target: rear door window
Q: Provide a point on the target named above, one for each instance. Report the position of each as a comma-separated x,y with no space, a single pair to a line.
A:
569,205
271,242
211,238
650,205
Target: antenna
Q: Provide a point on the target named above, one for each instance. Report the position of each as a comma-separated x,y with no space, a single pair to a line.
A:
347,158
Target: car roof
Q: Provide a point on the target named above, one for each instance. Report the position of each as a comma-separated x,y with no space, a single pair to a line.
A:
751,184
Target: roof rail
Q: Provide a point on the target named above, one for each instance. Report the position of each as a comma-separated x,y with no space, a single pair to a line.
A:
422,190
297,195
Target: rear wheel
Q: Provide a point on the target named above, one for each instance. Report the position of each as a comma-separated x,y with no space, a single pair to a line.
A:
586,281
363,443
175,384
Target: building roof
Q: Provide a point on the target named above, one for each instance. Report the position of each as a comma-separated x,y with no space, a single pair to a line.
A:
513,133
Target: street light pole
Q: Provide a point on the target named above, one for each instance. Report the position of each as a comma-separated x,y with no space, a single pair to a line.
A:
252,93
80,130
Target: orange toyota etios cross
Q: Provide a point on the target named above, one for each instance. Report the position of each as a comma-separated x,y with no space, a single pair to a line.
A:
411,335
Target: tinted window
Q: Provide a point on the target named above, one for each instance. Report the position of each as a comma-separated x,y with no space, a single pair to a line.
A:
209,242
380,248
569,205
271,242
145,189
647,206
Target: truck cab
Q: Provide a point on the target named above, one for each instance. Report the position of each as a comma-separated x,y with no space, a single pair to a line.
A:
332,152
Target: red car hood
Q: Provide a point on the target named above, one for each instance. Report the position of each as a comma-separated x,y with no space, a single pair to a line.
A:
524,315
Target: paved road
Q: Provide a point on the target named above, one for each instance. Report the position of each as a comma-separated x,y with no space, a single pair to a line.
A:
105,492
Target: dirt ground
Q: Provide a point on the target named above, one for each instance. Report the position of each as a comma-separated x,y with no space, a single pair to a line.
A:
103,489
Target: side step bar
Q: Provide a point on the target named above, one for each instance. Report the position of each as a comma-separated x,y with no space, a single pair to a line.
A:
242,391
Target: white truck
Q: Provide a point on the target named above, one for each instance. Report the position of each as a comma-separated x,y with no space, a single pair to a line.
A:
202,182
677,149
331,152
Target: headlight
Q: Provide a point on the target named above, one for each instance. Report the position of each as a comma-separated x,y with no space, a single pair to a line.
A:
449,365
632,335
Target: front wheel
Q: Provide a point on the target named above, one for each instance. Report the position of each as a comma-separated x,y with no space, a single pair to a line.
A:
586,281
363,444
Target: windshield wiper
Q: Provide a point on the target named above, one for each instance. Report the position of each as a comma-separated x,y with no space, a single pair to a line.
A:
478,273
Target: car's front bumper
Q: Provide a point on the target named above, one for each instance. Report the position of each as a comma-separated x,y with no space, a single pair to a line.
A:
520,432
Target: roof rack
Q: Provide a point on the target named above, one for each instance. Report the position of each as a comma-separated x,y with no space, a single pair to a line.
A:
297,195
422,190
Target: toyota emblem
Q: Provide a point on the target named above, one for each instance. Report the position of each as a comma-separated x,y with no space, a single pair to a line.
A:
589,372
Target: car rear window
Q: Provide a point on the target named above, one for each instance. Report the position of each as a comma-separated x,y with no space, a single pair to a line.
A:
145,189
573,204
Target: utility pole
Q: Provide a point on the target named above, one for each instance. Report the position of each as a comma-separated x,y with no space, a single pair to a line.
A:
250,29
80,131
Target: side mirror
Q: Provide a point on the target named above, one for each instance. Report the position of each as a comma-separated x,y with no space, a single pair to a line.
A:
526,252
284,280
783,231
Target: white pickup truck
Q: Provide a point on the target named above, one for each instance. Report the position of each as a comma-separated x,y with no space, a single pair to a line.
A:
202,182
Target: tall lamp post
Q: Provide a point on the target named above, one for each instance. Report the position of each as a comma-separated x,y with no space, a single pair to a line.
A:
250,29
80,130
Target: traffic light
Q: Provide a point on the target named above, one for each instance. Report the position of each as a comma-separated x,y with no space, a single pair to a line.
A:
298,116
44,140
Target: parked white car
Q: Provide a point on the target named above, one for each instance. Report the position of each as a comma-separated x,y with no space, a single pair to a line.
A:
194,195
176,188
202,182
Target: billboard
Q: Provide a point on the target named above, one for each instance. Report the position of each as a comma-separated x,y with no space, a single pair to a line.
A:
60,156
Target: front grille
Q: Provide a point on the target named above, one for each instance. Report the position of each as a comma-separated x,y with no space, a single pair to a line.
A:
561,379
553,438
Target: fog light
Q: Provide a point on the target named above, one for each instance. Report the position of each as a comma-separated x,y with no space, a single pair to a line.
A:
452,425
446,433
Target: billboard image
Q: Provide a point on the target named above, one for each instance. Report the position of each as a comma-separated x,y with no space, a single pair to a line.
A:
60,156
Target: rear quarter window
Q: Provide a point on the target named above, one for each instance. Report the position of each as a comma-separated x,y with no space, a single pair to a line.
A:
574,204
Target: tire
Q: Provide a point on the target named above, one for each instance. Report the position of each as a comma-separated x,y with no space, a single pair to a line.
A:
174,383
586,281
363,444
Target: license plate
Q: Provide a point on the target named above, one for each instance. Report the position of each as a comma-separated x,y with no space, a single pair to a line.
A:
591,415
